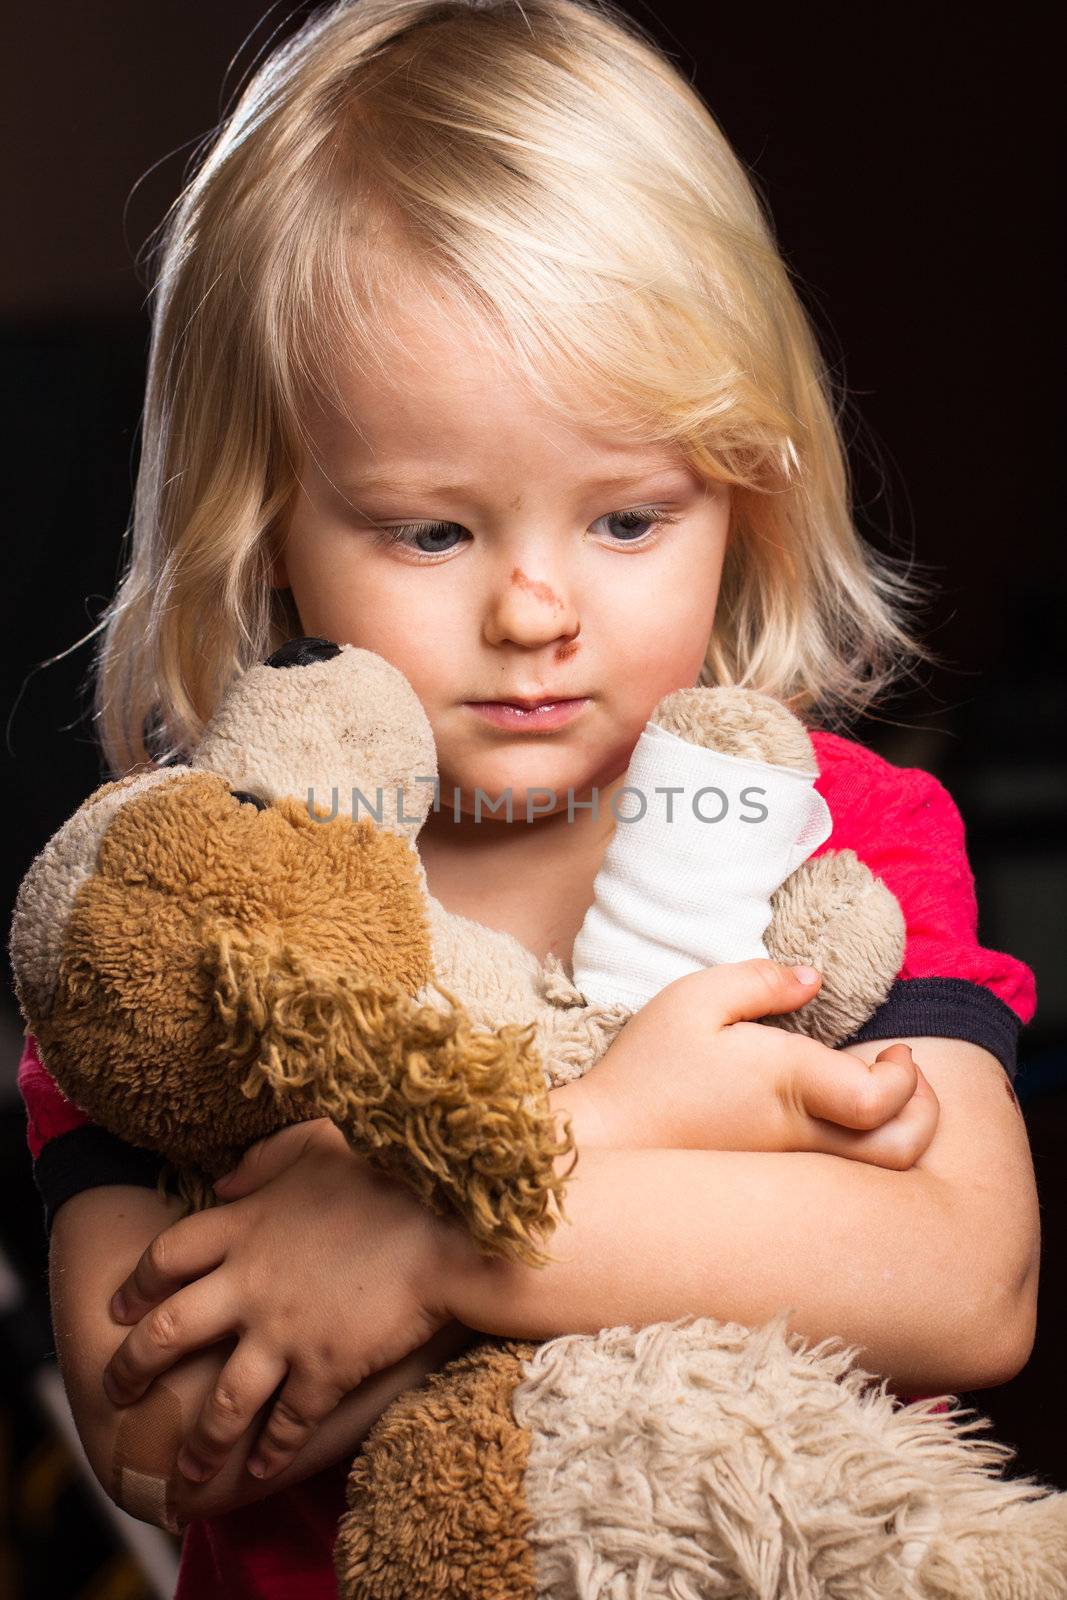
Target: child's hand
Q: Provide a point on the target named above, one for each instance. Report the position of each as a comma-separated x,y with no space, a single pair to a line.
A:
695,1069
885,1113
326,1271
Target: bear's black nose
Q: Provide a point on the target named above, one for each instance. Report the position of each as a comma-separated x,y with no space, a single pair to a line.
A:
303,653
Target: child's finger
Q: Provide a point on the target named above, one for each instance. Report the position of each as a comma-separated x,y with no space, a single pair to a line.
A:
264,1160
298,1410
898,1143
245,1383
906,1137
195,1316
745,991
185,1250
842,1088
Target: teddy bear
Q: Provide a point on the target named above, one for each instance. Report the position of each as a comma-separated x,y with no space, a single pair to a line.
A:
242,954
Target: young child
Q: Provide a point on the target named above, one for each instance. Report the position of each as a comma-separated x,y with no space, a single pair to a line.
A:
472,346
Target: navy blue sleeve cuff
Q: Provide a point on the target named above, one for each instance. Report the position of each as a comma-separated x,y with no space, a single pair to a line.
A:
946,1008
87,1158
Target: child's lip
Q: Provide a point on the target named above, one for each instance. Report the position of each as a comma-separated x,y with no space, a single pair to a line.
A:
544,714
528,701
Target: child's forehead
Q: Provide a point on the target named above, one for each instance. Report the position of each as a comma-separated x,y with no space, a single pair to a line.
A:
430,357
427,446
410,432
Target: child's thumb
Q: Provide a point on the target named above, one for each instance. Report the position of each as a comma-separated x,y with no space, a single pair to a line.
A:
262,1161
745,991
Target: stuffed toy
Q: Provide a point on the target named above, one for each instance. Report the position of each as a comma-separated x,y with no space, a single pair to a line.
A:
208,952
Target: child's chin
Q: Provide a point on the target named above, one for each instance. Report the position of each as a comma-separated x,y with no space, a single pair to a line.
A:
543,792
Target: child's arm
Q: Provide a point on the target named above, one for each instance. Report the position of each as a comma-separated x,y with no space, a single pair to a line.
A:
101,1234
931,1275
694,1069
97,1238
931,1271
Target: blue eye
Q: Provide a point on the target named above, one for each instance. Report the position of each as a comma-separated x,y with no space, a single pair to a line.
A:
437,531
633,519
420,530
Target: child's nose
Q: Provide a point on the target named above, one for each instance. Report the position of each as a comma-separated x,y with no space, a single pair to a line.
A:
526,608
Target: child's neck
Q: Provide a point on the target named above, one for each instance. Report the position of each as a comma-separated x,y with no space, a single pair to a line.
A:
533,880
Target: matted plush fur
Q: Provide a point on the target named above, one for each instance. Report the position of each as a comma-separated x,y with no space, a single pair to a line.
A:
786,1473
691,1460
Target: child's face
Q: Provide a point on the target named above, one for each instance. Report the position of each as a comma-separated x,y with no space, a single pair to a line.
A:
536,587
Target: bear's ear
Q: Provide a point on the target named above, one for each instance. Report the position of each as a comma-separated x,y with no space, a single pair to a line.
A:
303,652
345,730
46,894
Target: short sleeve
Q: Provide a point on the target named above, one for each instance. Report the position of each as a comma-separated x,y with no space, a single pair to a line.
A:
905,826
69,1152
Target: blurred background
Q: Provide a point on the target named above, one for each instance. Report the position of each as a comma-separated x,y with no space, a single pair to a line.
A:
908,165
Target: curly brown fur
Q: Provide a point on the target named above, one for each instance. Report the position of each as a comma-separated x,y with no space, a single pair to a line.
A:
182,869
459,1114
435,1496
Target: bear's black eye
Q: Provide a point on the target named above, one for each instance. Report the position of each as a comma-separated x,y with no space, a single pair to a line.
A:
243,794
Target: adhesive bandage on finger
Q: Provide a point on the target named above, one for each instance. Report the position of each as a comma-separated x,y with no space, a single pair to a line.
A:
701,843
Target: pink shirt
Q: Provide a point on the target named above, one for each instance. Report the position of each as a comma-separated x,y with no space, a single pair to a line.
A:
904,825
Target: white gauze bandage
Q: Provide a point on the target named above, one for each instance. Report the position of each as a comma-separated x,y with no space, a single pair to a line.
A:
674,896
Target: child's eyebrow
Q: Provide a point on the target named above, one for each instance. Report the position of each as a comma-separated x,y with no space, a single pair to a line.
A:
402,482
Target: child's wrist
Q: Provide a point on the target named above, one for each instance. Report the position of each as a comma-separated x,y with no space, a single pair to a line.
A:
467,1277
591,1123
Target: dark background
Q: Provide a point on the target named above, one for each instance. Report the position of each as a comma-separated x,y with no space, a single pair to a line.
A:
908,165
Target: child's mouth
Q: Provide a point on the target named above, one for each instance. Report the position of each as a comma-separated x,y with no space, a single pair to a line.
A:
541,716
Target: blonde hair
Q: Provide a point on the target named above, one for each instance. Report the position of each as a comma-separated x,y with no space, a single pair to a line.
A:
551,174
